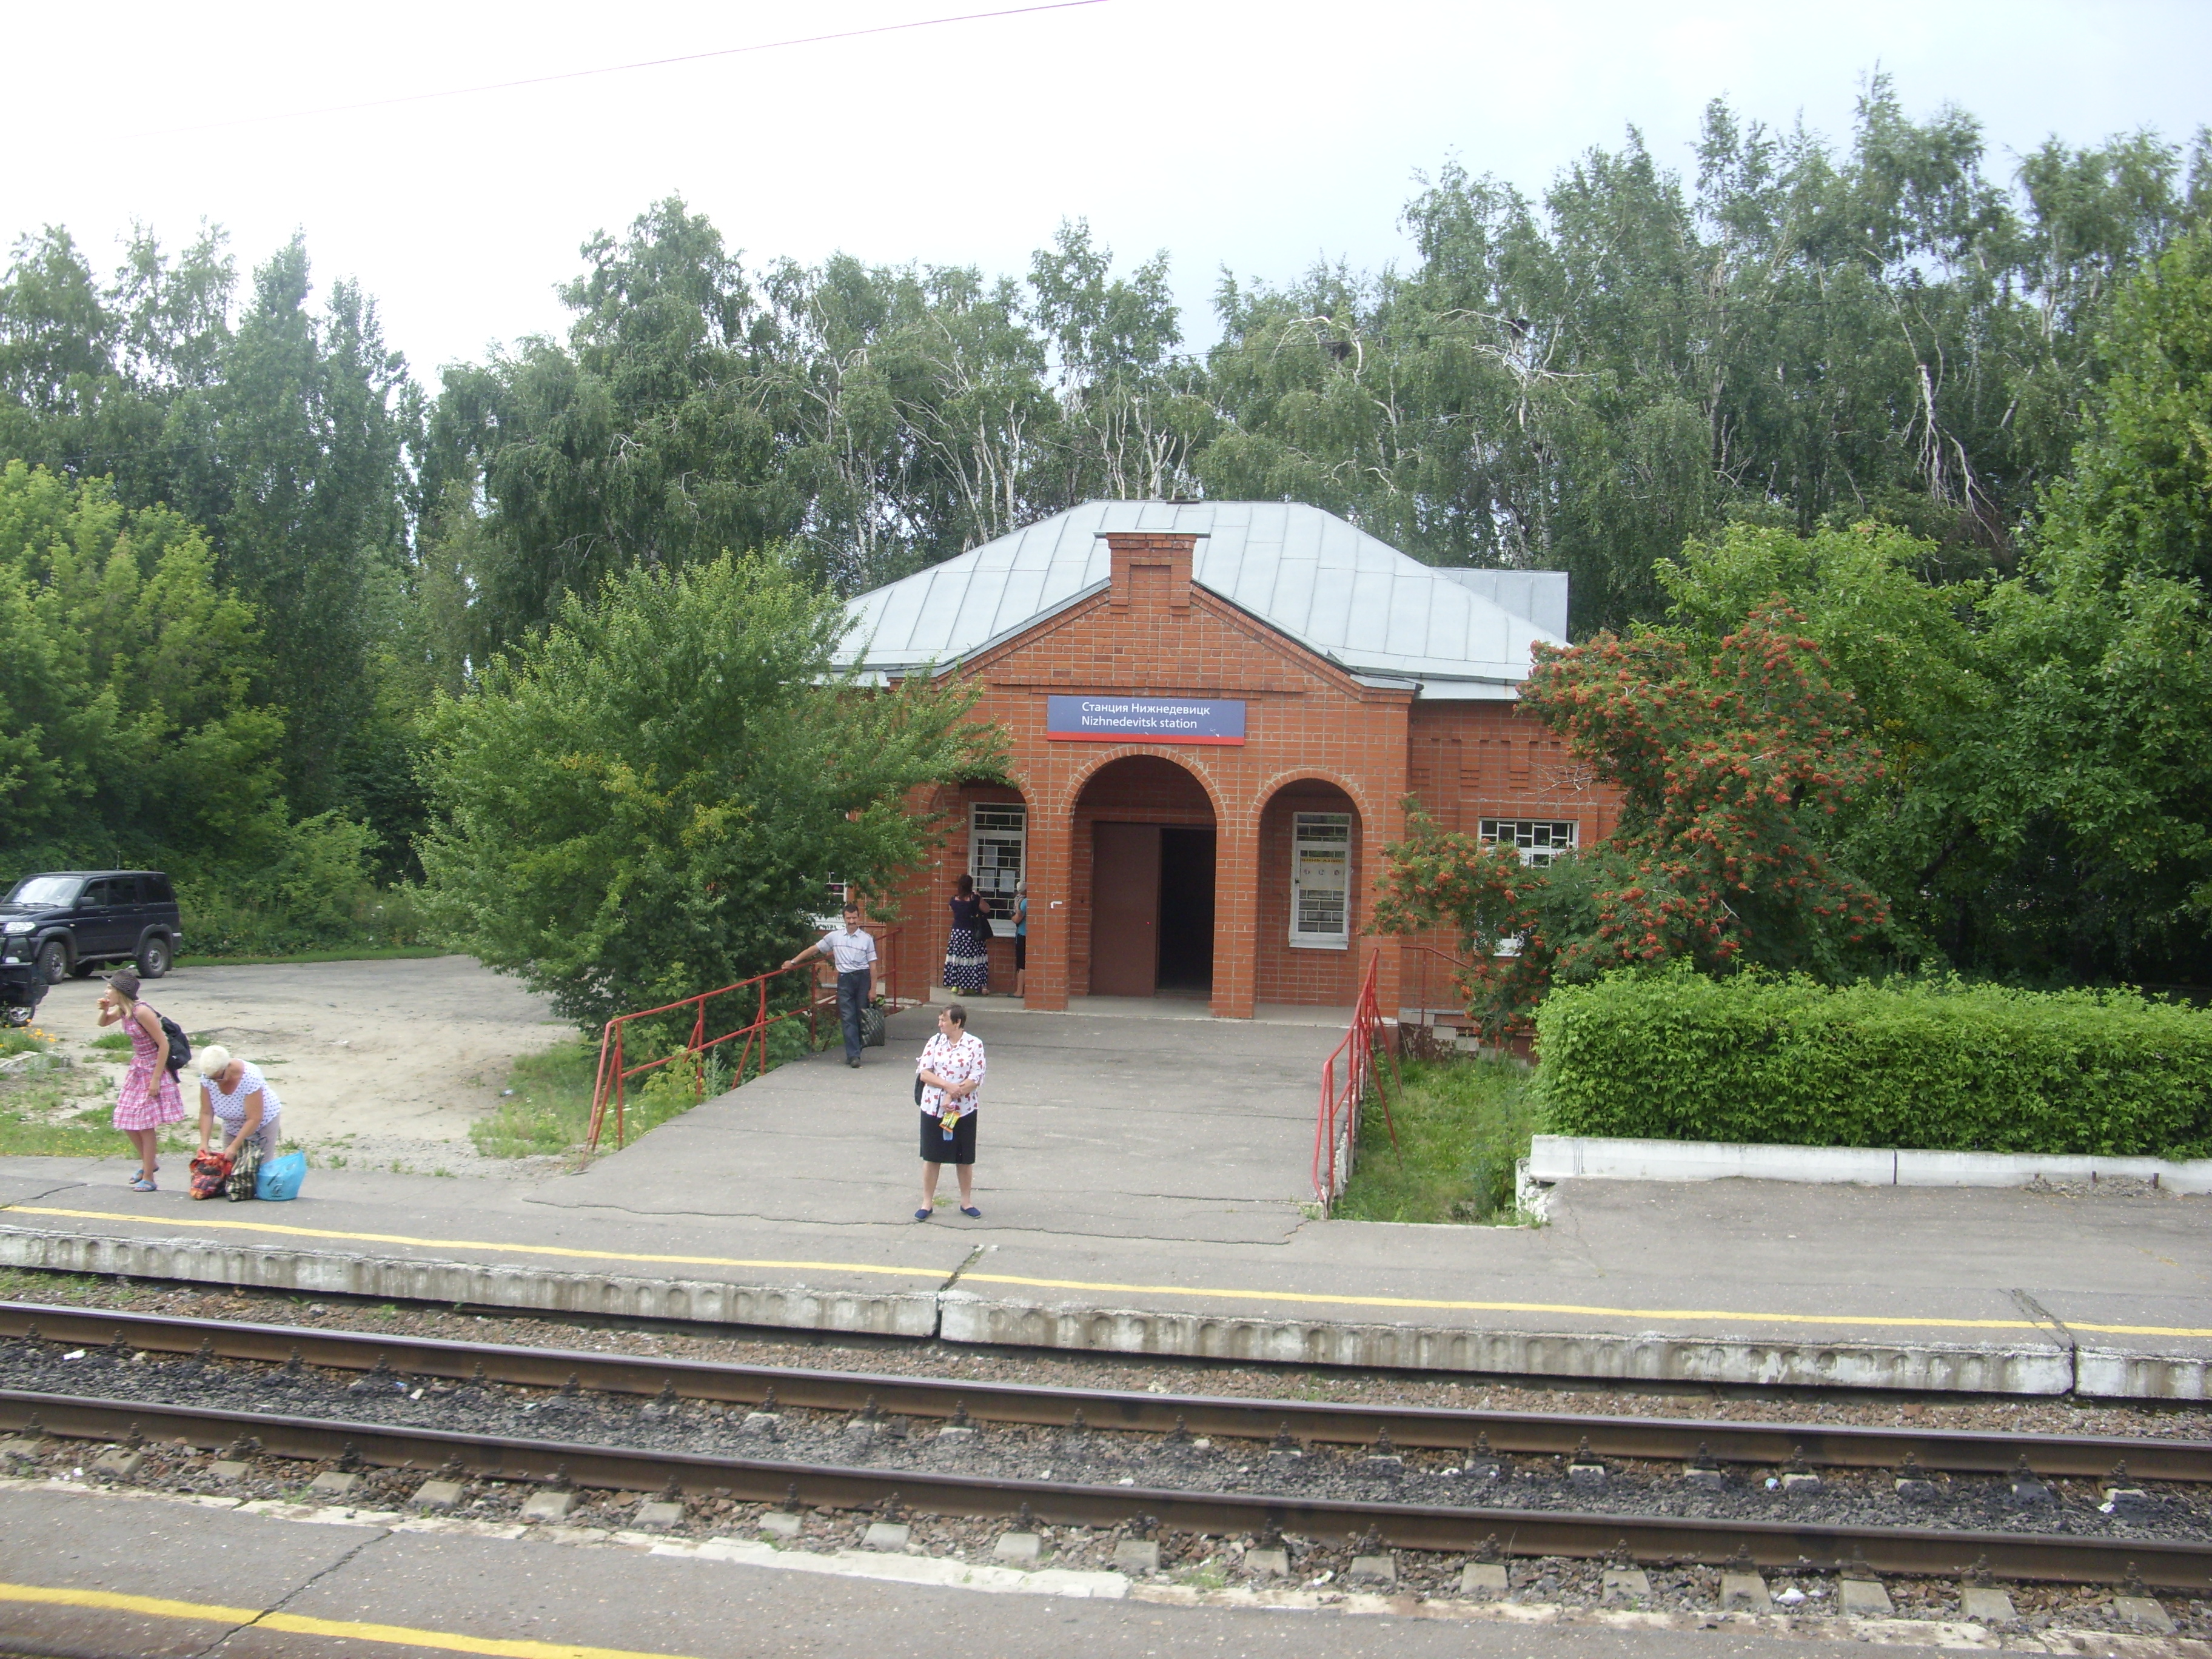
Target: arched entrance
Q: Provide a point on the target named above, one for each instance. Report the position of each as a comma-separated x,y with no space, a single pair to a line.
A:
1145,864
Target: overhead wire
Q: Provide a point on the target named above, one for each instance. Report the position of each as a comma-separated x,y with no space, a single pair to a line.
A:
622,68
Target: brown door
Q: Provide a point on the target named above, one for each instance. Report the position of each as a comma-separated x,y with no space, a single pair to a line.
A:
1125,909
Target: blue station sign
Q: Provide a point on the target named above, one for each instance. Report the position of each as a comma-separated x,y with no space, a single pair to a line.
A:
1144,719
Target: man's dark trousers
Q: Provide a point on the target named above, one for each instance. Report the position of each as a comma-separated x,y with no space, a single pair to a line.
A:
852,997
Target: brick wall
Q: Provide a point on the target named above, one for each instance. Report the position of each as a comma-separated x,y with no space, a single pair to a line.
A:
1316,740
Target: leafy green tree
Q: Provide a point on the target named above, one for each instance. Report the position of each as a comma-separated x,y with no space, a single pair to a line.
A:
2103,770
1732,765
300,485
1799,336
1913,655
645,800
128,727
1132,408
280,435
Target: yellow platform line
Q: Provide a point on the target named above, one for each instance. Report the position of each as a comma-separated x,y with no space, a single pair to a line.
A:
1325,1299
405,1636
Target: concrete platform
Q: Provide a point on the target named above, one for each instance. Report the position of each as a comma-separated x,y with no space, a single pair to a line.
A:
1179,1128
1140,1183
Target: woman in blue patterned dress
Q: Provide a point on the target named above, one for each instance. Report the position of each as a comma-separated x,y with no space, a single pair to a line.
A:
968,950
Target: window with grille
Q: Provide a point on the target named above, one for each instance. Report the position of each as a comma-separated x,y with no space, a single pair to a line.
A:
998,839
1321,880
1540,840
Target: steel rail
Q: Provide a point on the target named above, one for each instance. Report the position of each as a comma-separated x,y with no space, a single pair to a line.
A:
1958,1451
2049,1558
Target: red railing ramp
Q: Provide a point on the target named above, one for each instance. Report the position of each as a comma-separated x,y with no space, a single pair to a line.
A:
1346,1076
611,1087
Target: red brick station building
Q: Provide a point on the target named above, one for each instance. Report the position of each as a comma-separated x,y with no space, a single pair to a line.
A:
1216,713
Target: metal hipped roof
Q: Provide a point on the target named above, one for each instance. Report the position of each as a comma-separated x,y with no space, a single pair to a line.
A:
1305,572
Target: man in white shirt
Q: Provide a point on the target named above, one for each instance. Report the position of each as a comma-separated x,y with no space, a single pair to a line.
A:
854,954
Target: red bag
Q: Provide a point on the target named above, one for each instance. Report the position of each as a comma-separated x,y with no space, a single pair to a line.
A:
210,1171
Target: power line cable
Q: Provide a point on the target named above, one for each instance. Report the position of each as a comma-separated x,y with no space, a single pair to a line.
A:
619,69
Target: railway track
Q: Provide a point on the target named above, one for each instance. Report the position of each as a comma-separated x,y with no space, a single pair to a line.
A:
1506,1433
2055,1557
2044,1557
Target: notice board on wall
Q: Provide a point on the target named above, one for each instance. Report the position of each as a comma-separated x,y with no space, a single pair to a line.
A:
1145,719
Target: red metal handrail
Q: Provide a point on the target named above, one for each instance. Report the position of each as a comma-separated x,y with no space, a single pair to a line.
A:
1336,1129
611,1083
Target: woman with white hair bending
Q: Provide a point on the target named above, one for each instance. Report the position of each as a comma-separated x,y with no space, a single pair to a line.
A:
232,1092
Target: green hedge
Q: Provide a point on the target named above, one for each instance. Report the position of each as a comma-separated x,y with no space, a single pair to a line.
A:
1942,1065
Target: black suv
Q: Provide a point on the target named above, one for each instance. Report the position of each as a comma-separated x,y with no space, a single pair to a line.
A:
65,922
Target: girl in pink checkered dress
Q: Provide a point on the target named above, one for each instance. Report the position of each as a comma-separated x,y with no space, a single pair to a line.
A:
149,1097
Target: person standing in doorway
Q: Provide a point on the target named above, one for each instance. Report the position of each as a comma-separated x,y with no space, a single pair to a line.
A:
950,1073
967,948
853,953
1021,938
149,1097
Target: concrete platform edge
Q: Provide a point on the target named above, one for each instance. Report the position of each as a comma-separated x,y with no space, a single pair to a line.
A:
1600,1158
955,1315
799,1307
1644,1357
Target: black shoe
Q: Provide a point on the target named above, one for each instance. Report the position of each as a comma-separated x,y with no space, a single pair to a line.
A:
854,1063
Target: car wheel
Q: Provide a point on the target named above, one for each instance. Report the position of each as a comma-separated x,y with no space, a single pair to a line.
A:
153,957
53,962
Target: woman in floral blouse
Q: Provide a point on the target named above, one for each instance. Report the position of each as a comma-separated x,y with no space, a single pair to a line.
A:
951,1071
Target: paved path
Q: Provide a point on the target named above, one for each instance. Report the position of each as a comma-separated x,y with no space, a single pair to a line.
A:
199,1580
1090,1127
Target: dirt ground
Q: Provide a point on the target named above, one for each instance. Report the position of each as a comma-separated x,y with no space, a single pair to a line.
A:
378,1062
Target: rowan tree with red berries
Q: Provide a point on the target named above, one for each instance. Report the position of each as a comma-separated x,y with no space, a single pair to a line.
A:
1732,763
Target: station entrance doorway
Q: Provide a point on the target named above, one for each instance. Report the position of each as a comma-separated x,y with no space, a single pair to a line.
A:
1150,827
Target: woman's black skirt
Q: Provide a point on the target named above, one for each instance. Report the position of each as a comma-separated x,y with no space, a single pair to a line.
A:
936,1149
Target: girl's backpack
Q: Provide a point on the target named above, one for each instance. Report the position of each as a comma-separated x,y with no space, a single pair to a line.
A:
180,1046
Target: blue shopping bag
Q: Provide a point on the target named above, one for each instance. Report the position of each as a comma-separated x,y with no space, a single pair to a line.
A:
281,1177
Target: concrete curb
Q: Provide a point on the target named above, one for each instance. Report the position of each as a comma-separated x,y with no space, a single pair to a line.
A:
800,1307
1569,1158
2040,1368
2054,1367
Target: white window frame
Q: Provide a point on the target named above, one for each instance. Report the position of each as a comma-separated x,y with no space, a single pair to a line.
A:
836,889
1008,828
1319,840
1539,841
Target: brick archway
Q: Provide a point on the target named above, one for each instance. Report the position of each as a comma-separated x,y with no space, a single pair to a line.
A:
1142,863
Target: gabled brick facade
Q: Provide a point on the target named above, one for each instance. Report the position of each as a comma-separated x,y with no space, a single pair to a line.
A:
1316,738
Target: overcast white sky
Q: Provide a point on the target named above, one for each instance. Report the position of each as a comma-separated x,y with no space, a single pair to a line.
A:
1258,136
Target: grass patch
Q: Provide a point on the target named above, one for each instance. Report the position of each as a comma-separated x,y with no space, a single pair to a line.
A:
550,1107
1462,1124
32,1125
113,1042
377,953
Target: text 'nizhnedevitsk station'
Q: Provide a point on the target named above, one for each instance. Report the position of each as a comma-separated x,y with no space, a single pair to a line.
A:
1216,714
